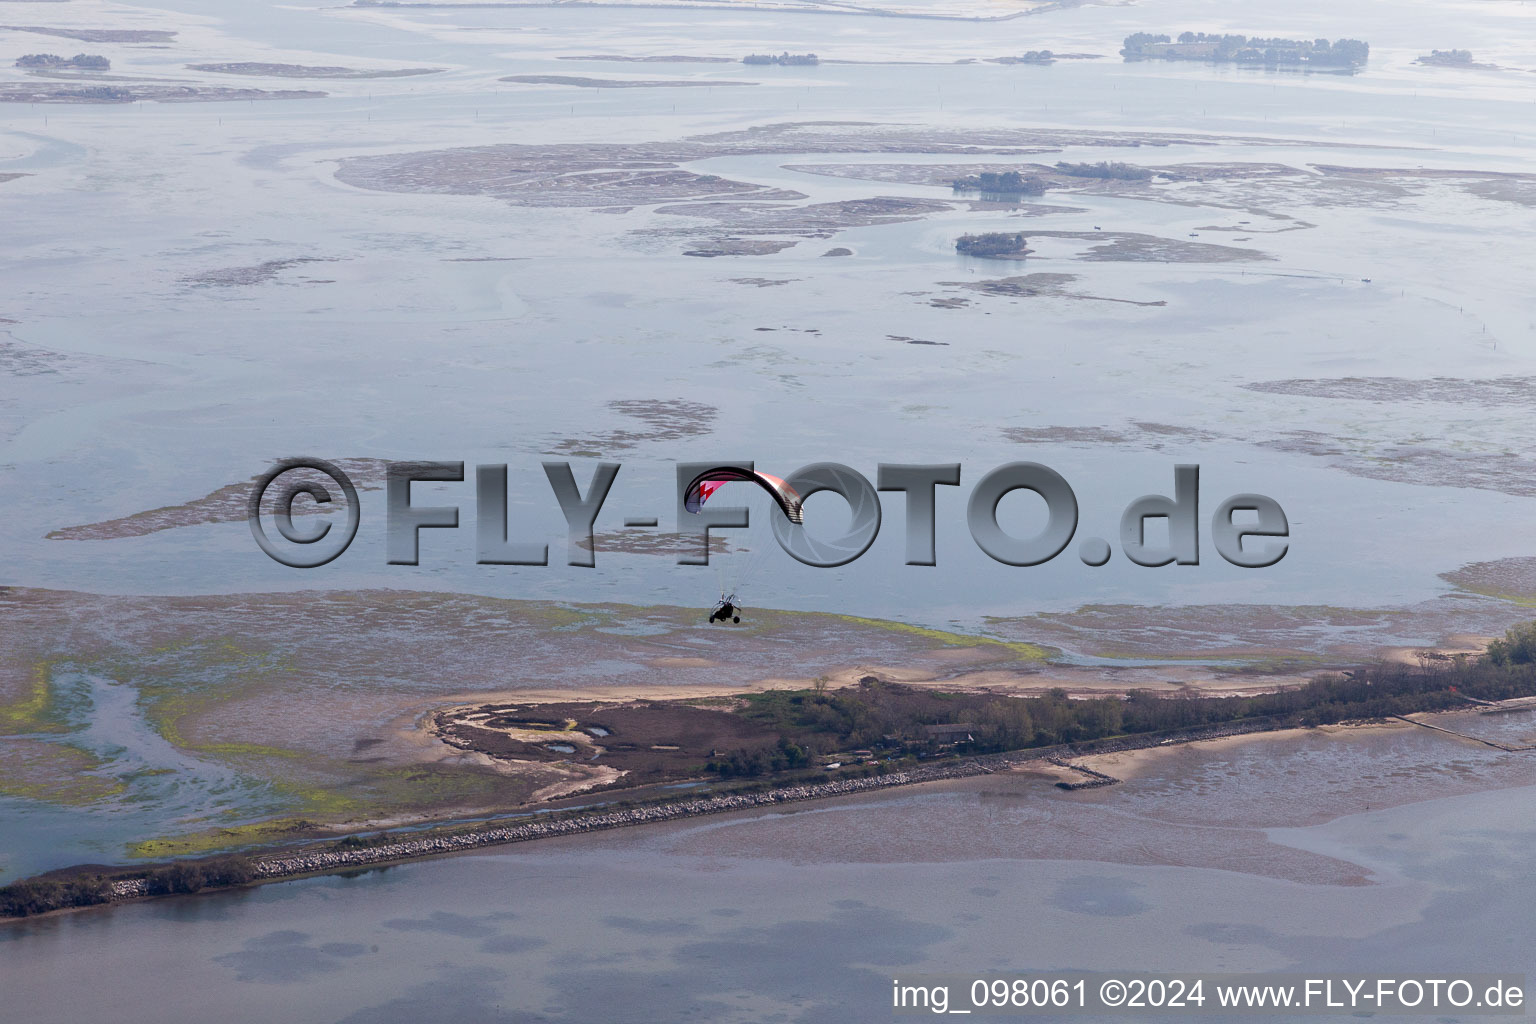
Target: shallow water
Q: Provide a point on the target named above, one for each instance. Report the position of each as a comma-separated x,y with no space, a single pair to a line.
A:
162,788
164,390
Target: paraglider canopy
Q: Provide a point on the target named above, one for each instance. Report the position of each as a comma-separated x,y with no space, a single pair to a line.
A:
711,480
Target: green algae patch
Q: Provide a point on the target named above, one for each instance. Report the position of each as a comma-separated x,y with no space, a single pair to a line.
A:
385,791
1227,660
243,750
1492,590
1024,650
34,712
212,840
319,801
1523,600
313,809
435,788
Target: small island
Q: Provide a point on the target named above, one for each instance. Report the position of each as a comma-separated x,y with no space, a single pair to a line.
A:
53,62
1454,59
997,245
88,94
1343,54
787,59
1030,57
1005,183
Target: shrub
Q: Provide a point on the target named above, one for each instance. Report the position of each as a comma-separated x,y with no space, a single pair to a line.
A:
1517,648
233,870
178,877
40,895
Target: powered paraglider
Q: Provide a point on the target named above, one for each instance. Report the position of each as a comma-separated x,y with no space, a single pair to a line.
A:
736,567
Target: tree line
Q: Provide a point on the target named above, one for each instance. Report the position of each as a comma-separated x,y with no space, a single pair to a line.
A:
80,61
1007,183
891,718
786,58
991,243
42,894
1105,169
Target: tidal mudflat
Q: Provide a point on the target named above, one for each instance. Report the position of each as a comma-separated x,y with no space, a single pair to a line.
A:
141,727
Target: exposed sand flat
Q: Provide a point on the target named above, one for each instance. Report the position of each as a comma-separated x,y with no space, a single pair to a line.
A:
1258,188
98,35
1028,286
648,420
653,420
270,70
1131,246
1513,578
1481,459
1130,764
36,92
627,176
662,544
571,174
91,76
816,220
651,58
965,10
709,248
1478,393
225,505
1082,682
20,361
583,778
938,173
1315,635
1410,459
1062,435
620,83
1506,725
260,273
1460,646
